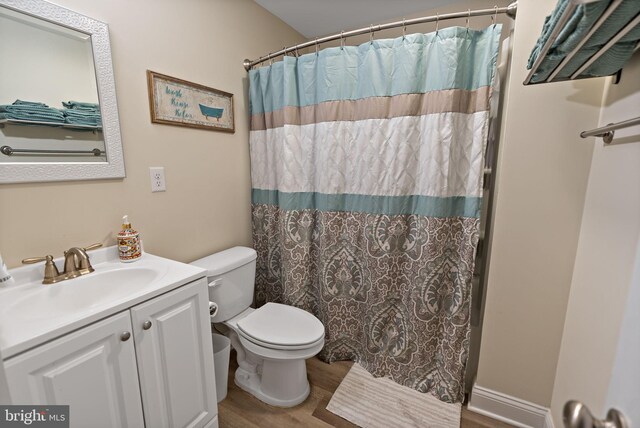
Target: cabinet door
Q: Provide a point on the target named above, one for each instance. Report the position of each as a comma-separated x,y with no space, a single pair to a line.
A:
175,359
93,370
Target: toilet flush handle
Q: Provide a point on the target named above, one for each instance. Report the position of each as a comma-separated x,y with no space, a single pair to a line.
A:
215,283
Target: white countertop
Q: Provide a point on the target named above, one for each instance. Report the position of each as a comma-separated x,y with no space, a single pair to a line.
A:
32,313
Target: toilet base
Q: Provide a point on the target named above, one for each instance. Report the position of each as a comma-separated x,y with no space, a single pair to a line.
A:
278,383
275,376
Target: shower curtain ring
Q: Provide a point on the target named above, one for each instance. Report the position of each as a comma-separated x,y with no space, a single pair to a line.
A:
270,60
494,18
316,46
284,52
341,40
371,33
468,16
404,29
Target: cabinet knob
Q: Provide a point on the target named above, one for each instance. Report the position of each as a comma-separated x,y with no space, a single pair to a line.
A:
146,325
125,336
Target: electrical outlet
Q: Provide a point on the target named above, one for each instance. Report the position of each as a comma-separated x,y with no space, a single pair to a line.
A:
157,179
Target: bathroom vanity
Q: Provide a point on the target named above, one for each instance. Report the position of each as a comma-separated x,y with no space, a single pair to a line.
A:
128,345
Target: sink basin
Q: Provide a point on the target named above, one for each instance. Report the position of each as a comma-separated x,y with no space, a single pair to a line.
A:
32,313
81,294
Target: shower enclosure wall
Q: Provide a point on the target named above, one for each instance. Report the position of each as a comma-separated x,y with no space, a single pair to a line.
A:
483,254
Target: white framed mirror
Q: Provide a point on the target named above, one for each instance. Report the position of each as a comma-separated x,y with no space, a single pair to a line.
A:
58,109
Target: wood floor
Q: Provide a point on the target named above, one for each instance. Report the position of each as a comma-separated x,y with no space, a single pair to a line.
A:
242,410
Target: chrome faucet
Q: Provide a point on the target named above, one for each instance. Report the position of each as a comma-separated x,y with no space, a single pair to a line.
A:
76,263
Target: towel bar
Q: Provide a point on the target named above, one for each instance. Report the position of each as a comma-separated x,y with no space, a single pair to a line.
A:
607,132
8,151
557,30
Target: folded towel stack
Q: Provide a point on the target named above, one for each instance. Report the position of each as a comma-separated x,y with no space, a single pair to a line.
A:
33,111
79,113
578,25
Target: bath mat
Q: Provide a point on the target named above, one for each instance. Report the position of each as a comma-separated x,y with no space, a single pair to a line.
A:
382,403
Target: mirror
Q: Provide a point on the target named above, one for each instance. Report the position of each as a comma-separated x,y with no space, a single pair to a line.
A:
58,111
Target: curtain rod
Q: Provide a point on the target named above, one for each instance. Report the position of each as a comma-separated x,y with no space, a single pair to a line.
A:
509,10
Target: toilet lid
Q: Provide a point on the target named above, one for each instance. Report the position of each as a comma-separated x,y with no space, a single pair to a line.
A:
282,325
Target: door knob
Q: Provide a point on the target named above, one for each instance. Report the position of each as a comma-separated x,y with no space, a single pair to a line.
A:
577,415
125,336
146,325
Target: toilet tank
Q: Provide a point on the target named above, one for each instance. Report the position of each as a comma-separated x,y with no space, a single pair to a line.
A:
231,276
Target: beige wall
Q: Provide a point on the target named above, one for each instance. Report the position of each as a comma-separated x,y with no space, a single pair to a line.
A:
206,205
542,178
606,257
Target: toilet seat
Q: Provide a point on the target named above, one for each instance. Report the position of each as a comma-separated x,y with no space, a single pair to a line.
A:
277,352
280,354
277,326
273,346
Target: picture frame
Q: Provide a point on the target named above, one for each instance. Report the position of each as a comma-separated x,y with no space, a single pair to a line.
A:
178,102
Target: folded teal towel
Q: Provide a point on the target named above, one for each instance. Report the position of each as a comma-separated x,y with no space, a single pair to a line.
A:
80,113
27,110
81,106
32,109
578,25
32,117
29,103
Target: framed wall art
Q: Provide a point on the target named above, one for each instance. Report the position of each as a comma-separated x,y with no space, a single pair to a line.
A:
174,101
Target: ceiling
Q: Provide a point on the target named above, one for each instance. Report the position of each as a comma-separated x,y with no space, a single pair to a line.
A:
316,18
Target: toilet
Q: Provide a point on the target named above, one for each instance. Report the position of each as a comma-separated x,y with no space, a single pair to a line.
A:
271,342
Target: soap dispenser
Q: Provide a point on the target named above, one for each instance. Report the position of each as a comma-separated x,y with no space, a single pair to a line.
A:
5,277
129,247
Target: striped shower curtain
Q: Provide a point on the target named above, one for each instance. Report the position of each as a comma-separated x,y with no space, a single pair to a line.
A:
367,166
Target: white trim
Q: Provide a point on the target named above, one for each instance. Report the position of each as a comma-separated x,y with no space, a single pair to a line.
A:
509,409
548,420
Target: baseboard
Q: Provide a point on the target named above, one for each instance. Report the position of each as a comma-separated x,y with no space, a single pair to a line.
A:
509,409
548,420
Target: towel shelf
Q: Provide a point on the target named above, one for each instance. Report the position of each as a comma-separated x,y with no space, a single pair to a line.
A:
607,132
557,30
76,127
9,151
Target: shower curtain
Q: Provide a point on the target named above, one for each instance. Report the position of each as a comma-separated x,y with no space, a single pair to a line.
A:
367,166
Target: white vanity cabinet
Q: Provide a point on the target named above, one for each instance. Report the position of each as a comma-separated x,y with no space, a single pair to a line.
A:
93,370
151,365
172,335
